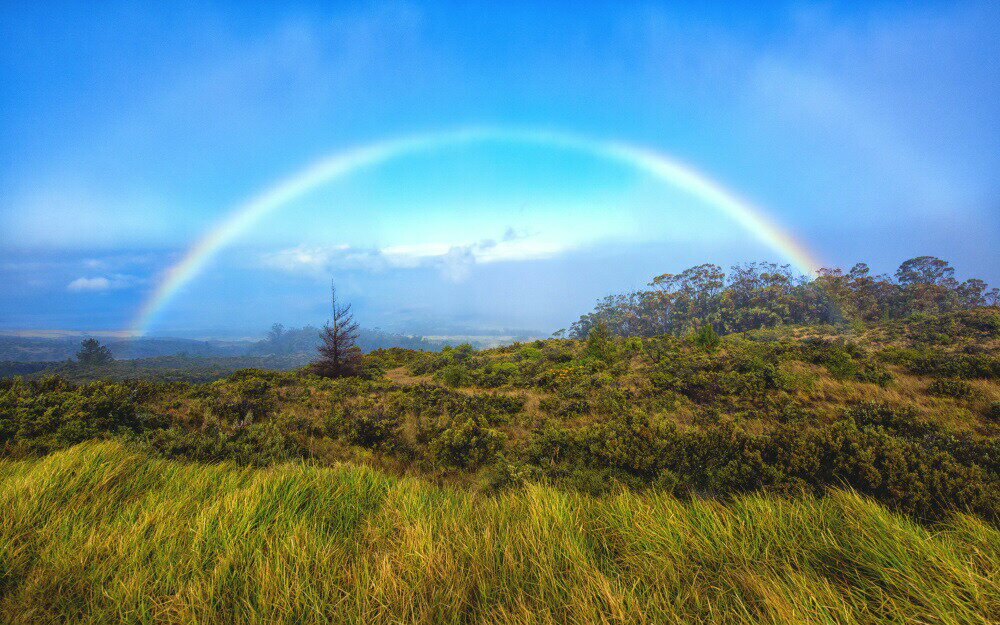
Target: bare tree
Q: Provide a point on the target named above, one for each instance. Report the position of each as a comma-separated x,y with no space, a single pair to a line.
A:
338,355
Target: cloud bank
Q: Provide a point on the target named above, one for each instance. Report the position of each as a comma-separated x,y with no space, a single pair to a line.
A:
454,262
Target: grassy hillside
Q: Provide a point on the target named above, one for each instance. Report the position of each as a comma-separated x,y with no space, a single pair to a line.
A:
821,474
906,413
99,533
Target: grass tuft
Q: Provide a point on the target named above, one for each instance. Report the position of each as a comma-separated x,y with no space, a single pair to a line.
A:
101,533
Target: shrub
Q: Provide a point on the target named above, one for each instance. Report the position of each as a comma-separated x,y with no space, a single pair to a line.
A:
906,463
927,361
246,397
993,412
370,425
528,353
600,345
557,354
498,374
845,361
468,443
952,387
454,375
49,414
257,444
706,338
903,474
633,345
503,474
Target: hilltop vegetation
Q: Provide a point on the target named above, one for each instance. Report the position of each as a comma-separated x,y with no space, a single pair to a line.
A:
762,295
905,412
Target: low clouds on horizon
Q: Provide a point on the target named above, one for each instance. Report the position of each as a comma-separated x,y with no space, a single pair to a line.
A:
453,262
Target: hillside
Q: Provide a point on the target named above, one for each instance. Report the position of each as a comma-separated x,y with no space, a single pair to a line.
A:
906,412
798,474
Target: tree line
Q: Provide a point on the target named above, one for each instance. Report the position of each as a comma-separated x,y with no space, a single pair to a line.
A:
761,295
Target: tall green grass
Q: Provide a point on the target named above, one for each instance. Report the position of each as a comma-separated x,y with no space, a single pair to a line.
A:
102,534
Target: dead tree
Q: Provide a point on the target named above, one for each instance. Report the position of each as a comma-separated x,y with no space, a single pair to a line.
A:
339,356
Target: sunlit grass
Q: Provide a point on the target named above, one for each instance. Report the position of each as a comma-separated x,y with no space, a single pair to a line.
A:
100,534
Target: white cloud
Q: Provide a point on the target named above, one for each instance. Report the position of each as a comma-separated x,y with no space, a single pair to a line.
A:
89,284
101,283
454,262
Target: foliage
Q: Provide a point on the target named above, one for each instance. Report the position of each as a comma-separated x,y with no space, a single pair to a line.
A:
93,353
253,444
951,387
993,412
599,343
454,375
467,443
765,295
927,360
706,337
845,361
47,414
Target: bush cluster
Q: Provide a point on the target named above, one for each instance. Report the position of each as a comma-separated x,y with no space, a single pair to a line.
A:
908,466
952,387
845,361
46,414
744,372
971,365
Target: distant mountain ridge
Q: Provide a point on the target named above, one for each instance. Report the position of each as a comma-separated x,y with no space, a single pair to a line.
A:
55,349
278,341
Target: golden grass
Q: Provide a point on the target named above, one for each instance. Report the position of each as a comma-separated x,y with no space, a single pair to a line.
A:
827,395
101,534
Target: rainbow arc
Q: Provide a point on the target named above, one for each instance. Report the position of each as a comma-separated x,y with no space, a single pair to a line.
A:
343,163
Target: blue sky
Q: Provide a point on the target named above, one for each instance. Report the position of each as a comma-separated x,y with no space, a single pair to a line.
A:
870,131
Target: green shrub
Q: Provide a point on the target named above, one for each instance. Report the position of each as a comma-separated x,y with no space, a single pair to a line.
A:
48,414
600,344
844,361
371,424
558,354
928,361
952,387
246,397
633,345
908,464
497,374
256,444
706,338
503,474
528,353
454,375
467,443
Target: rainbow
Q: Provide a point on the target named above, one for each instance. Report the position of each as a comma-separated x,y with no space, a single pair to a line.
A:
343,163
